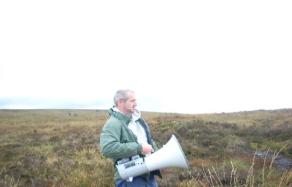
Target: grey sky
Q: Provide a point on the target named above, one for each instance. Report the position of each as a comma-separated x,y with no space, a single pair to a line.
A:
179,56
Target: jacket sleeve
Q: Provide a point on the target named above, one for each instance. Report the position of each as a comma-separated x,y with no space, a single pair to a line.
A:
112,147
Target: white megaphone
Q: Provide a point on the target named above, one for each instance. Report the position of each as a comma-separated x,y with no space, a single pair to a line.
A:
170,155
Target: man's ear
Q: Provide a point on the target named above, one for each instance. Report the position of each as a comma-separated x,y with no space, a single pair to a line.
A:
120,102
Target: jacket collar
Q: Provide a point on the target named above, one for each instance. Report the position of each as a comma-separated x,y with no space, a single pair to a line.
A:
120,116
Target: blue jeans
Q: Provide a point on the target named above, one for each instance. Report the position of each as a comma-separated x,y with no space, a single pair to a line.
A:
137,182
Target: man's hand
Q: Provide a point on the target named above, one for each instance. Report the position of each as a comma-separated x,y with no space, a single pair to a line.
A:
146,149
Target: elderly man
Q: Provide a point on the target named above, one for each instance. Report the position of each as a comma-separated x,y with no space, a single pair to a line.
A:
126,134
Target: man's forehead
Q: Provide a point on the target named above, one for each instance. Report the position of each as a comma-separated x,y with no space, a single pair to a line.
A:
131,94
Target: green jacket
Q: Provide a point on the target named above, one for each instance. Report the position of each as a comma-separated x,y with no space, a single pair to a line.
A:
117,141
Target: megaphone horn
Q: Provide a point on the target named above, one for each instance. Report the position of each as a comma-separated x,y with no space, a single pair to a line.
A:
170,155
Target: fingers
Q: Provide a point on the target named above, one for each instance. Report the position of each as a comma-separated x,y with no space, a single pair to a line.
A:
146,149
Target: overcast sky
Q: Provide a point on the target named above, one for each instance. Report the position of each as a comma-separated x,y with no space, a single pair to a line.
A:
179,56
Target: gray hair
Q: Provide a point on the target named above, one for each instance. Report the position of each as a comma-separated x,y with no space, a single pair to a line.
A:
121,95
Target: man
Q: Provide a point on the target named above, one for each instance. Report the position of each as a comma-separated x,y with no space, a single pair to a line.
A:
126,134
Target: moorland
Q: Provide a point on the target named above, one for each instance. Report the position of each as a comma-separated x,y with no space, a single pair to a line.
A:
61,148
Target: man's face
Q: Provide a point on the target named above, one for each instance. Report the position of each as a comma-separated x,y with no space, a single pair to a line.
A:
128,106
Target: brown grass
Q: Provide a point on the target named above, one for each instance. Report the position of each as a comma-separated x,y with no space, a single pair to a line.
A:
60,148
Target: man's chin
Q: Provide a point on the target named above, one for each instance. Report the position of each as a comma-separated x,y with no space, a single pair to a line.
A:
132,111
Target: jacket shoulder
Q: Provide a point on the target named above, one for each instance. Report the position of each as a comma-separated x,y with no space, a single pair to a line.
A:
112,123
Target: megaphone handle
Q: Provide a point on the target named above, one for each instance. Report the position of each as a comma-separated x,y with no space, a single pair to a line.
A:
148,154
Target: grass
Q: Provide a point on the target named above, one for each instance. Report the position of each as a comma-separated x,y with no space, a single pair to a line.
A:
60,148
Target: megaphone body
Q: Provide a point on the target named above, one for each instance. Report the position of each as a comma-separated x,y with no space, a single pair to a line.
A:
170,155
